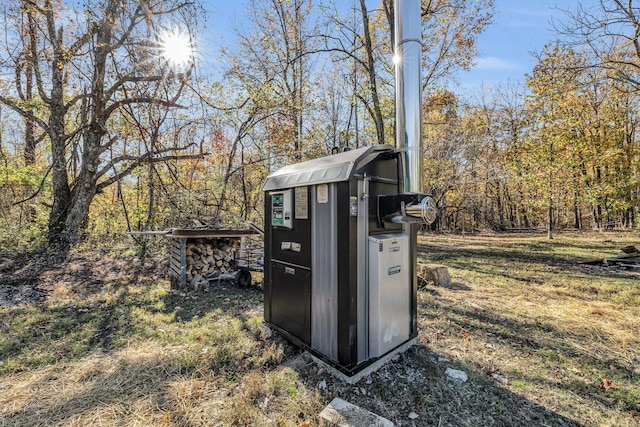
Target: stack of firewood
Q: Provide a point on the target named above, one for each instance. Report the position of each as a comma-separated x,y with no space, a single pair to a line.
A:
208,256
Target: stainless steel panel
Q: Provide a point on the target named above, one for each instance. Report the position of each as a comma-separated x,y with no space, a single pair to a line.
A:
389,292
324,274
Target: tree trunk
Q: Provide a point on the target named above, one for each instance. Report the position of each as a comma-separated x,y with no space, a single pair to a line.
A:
576,212
59,175
550,219
79,210
81,195
29,126
373,87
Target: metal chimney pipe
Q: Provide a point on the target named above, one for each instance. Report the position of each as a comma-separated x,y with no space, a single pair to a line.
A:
408,64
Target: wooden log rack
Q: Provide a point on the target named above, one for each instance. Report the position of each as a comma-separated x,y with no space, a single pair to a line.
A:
200,255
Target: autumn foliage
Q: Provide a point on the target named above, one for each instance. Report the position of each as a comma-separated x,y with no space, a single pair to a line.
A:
98,137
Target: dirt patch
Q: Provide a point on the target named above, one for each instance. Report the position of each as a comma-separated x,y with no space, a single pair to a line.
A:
13,294
31,277
20,282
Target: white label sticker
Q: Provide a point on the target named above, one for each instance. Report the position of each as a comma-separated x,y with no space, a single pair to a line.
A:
323,193
302,203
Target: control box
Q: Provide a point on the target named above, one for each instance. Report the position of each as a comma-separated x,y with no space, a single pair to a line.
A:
281,213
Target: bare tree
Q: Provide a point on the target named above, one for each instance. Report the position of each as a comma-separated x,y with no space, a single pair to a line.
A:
450,30
351,38
87,66
274,64
612,32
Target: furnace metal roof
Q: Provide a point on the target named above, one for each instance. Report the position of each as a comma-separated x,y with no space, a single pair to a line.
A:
333,168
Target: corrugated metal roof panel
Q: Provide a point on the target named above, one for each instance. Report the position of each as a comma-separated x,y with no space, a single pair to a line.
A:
333,168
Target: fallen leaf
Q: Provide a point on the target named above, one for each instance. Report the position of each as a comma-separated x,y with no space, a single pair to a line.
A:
606,384
464,335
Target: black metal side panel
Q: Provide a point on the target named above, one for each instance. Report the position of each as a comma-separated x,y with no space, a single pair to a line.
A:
291,300
347,280
287,281
268,236
382,176
376,189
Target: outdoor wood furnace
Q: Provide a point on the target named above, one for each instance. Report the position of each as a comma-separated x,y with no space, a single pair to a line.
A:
340,234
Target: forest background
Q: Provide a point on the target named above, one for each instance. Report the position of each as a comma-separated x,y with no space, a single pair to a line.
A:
100,133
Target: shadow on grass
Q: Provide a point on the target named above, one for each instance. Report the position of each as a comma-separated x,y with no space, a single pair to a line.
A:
99,304
109,313
530,267
113,309
154,387
441,401
567,364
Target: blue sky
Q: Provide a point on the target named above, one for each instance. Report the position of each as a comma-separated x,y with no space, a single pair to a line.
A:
520,28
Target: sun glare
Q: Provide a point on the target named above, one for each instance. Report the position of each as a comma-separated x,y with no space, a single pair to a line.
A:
177,49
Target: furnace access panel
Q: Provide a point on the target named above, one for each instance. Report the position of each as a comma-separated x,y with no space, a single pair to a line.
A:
289,272
389,292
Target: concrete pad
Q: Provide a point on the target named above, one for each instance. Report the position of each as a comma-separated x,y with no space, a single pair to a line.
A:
369,369
344,414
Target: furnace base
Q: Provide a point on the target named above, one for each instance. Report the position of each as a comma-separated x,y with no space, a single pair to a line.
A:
368,369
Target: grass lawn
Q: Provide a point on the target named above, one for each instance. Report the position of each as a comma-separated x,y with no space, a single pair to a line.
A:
523,312
544,339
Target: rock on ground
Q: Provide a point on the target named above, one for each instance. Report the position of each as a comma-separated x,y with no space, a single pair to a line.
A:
344,414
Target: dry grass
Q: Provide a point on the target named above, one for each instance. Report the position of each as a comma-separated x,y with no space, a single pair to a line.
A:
107,343
112,345
143,385
524,312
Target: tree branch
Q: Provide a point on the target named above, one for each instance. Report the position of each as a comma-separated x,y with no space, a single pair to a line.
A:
141,100
24,113
137,161
40,186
